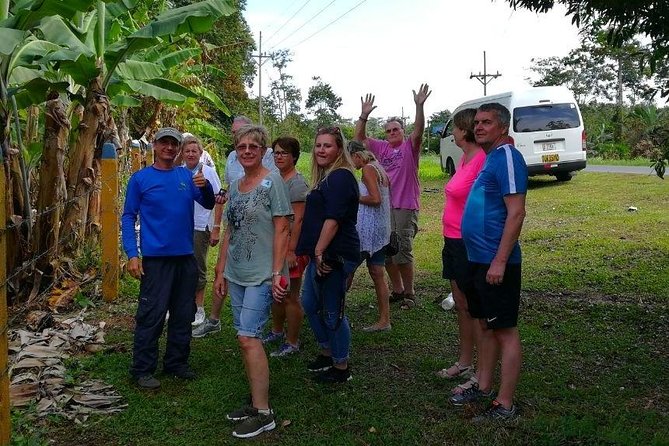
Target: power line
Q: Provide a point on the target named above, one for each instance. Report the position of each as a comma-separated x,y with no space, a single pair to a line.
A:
331,23
303,25
288,21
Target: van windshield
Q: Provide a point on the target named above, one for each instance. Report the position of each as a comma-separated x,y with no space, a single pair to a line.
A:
539,118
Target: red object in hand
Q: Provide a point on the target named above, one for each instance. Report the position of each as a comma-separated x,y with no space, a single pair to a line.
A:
283,282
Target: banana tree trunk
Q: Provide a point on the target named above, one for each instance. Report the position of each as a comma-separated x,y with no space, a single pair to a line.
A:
80,173
52,190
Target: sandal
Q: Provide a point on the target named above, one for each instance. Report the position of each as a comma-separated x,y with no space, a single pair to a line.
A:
408,302
462,388
456,371
396,297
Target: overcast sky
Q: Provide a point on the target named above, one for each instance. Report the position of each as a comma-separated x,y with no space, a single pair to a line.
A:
389,47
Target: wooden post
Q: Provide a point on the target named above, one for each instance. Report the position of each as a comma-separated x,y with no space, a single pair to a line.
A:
5,426
149,155
135,158
109,215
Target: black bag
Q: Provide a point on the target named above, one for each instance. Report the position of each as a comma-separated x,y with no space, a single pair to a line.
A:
393,246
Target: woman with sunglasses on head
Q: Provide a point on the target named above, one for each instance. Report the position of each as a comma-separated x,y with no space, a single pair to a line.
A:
251,267
373,226
289,311
330,239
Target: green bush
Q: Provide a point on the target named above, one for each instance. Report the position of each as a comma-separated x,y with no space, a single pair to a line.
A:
613,150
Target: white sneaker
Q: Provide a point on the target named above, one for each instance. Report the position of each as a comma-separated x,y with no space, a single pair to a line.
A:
199,316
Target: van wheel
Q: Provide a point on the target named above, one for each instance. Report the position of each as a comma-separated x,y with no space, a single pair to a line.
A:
563,176
450,167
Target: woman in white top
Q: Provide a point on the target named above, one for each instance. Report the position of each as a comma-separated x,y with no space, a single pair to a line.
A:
207,223
373,226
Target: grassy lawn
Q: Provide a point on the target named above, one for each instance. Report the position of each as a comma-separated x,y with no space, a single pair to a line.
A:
642,162
594,328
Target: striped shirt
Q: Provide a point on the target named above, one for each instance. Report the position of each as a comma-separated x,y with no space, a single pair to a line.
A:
504,173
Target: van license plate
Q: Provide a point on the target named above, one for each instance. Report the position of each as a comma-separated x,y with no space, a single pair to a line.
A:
550,158
548,146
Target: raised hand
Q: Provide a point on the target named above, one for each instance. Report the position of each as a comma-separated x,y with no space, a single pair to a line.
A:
423,93
367,105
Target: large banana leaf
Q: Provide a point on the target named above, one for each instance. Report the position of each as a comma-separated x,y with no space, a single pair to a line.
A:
195,18
34,92
30,54
55,30
159,92
27,13
10,39
176,58
203,128
138,70
213,98
122,100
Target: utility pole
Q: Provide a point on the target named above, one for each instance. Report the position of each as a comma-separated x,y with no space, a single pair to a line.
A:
484,77
260,61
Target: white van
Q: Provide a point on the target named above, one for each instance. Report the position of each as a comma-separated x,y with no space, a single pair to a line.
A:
546,127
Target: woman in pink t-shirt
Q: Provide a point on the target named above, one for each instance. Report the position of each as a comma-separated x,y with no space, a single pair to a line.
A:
454,254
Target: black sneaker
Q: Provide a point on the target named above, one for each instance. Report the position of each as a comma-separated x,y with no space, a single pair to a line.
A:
334,376
255,425
497,413
242,413
147,382
320,364
471,395
183,373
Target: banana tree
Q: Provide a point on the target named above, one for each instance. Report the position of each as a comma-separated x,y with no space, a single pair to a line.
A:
96,54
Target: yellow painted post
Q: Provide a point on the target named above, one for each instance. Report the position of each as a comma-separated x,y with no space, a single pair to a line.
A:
135,158
5,425
109,215
149,155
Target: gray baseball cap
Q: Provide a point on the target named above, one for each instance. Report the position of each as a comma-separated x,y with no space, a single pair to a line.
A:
168,131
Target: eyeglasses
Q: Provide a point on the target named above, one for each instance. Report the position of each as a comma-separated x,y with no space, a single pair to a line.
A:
392,130
280,154
328,131
244,147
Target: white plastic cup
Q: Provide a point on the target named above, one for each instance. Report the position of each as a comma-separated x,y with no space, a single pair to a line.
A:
448,302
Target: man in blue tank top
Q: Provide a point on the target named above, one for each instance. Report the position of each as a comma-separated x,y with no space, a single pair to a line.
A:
491,225
162,197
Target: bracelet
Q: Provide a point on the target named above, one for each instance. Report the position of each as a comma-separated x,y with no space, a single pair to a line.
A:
217,226
276,273
362,119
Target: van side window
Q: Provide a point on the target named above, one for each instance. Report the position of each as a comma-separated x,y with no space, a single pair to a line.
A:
448,129
548,117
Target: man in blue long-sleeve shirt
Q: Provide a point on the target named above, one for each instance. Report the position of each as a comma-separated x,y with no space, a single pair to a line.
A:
162,197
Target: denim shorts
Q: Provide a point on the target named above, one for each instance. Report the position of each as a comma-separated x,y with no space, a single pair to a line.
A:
250,308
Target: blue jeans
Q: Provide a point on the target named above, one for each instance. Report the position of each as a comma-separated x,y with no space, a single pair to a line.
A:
322,302
250,308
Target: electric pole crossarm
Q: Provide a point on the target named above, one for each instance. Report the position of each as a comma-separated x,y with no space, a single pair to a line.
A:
484,77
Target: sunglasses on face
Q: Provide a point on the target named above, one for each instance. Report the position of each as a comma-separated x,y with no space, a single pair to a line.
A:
244,147
393,130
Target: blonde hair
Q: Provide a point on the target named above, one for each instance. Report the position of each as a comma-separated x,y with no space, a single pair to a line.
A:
343,161
191,139
257,133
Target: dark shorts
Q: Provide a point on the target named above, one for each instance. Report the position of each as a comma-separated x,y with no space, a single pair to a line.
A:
454,260
496,304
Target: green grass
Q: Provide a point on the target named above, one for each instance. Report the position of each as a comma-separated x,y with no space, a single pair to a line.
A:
643,162
594,327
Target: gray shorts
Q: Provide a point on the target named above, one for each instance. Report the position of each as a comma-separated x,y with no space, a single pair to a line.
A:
405,223
200,248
